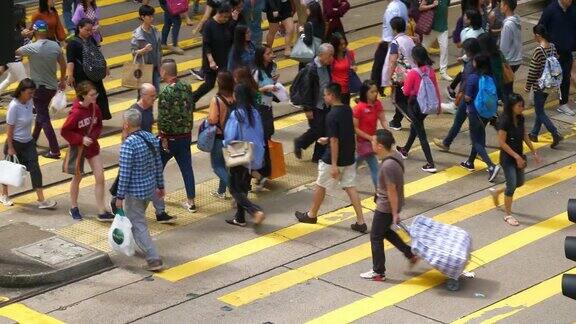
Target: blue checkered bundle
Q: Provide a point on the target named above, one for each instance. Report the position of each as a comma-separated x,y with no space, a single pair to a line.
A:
446,247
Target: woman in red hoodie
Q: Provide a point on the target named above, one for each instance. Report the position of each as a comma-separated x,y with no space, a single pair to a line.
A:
83,127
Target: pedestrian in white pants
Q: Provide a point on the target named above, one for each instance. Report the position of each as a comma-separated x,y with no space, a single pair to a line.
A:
440,32
16,73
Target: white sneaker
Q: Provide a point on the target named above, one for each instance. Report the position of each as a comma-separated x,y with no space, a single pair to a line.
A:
448,108
446,77
565,109
259,186
6,201
218,195
46,204
371,275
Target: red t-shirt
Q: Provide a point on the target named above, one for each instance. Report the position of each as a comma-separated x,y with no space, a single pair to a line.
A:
341,68
367,116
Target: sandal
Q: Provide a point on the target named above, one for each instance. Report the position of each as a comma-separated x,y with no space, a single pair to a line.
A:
235,222
511,220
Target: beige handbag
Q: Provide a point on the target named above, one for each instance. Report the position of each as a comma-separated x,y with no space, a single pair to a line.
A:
238,153
134,74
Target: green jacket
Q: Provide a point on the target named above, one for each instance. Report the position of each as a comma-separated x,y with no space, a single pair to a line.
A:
175,108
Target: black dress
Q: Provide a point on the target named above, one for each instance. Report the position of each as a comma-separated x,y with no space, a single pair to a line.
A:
74,55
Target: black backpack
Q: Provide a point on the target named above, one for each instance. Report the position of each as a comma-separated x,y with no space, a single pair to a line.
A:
93,62
300,85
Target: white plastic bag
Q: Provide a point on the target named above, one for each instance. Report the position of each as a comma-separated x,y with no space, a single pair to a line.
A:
281,94
12,173
59,101
120,235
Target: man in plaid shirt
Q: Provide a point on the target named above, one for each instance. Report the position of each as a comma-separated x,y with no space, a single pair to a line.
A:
140,177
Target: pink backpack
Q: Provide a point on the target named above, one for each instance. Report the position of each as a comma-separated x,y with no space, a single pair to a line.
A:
177,7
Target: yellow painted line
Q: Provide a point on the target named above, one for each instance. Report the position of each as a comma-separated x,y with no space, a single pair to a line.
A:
320,267
25,315
518,302
298,230
433,278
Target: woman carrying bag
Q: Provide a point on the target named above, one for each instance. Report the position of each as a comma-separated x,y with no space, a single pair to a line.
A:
19,141
344,67
244,125
82,130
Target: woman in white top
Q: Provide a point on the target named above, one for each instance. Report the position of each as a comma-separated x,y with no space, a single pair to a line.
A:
19,141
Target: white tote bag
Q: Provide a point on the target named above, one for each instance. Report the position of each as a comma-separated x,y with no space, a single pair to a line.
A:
59,101
281,93
12,173
120,235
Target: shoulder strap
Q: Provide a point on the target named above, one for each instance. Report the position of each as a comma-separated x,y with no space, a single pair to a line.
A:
150,146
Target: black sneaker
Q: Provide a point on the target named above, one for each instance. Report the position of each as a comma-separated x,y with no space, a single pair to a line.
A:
75,213
359,228
235,223
467,165
533,138
304,218
556,138
164,218
155,265
402,152
297,151
50,155
106,217
493,172
395,126
429,167
197,74
113,206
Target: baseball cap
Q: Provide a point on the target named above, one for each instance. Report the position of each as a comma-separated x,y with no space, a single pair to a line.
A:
40,26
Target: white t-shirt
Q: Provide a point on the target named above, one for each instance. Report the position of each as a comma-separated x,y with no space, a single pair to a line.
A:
396,8
21,116
468,32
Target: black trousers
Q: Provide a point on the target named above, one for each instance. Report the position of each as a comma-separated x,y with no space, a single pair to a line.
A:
401,102
28,157
566,64
239,187
209,82
379,58
266,169
317,129
381,230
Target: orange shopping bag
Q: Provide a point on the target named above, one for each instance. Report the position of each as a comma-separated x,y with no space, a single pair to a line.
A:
277,159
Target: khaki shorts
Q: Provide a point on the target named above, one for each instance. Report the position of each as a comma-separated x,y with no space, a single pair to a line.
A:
347,176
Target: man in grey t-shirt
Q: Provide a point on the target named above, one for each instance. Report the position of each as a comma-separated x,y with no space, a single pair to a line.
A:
389,201
44,56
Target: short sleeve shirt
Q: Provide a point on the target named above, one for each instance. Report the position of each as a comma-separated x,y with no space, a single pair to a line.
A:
147,117
514,136
391,172
339,124
43,55
367,115
21,116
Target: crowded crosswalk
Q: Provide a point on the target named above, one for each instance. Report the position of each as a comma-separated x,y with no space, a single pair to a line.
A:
282,268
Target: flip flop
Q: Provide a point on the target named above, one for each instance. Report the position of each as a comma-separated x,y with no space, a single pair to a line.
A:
510,220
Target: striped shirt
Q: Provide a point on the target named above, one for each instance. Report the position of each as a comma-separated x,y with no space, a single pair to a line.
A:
537,65
140,168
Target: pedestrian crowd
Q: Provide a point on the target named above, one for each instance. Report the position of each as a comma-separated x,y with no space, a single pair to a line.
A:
238,131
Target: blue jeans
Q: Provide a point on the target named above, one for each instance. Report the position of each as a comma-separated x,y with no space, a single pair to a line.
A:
478,138
68,7
514,176
179,148
173,22
254,20
459,120
219,166
372,162
541,117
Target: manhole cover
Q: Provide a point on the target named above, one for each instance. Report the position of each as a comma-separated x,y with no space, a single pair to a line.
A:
53,250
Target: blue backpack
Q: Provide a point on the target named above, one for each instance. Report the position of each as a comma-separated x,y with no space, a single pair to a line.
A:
486,101
207,132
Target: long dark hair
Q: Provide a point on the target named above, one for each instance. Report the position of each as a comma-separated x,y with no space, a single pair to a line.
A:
315,12
24,85
19,16
85,4
43,7
259,59
366,86
482,64
471,47
488,45
421,57
513,100
225,83
244,100
242,75
475,18
239,43
335,40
